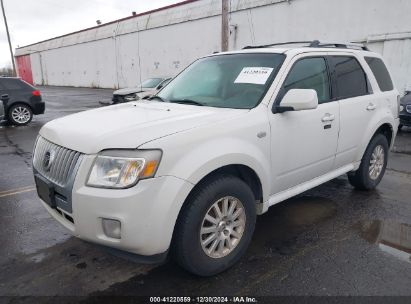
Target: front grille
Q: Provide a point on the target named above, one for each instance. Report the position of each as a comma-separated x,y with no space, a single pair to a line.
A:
118,99
408,108
55,162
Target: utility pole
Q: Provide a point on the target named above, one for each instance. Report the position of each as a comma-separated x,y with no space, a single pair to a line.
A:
8,37
224,25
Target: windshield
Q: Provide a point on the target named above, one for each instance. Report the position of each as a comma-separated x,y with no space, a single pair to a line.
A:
227,81
151,82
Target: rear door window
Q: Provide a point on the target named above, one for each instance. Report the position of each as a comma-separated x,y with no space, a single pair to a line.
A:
351,80
381,73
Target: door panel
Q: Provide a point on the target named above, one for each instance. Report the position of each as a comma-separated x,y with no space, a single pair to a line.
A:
304,143
357,106
355,116
303,146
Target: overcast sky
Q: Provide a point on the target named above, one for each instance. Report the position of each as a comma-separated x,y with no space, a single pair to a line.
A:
35,20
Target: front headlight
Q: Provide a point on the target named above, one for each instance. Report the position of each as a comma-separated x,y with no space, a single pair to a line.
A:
401,108
123,168
131,97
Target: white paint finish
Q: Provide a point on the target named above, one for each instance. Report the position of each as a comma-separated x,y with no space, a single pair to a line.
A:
147,212
286,194
228,140
295,154
302,149
135,118
300,99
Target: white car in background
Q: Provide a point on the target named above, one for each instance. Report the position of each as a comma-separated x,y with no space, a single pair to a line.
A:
187,171
146,89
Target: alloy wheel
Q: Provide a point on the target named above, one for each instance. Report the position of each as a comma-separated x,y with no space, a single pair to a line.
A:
377,162
21,114
222,227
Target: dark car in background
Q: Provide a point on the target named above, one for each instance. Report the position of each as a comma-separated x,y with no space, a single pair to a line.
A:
405,110
21,100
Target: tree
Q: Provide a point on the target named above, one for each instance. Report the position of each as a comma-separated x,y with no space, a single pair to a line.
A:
6,71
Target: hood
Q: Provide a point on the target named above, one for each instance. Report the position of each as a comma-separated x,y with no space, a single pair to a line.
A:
129,125
127,91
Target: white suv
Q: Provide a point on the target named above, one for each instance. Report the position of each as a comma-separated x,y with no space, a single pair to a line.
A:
187,172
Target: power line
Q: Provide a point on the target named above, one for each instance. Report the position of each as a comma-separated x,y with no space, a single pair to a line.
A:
8,38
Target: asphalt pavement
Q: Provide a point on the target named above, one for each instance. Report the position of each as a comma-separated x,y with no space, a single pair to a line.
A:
331,240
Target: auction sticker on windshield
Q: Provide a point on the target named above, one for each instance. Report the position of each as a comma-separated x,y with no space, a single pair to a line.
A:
255,75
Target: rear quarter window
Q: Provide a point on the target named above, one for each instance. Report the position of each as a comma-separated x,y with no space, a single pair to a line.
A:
350,78
380,72
14,84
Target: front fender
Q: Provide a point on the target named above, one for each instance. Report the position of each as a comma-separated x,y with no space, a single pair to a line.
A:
193,154
194,166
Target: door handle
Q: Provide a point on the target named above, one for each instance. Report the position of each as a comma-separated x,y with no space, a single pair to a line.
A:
371,107
328,117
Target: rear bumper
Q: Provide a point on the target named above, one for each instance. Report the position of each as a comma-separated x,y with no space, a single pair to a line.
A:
39,108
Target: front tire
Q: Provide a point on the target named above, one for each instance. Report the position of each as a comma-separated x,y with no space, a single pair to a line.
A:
20,114
215,227
373,165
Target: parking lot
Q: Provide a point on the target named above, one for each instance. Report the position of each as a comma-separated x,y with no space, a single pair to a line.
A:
331,240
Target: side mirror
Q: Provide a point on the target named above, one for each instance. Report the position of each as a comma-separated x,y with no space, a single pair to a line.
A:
298,100
4,97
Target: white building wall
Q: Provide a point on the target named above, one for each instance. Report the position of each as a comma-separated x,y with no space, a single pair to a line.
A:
164,42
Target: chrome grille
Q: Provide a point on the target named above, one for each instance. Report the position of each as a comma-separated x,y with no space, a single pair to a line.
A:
60,164
408,108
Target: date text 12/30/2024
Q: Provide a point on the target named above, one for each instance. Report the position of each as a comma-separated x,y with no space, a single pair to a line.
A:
203,300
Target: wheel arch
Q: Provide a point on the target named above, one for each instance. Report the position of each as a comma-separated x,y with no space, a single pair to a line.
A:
385,128
243,172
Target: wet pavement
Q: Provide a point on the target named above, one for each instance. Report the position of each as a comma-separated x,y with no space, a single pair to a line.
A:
331,240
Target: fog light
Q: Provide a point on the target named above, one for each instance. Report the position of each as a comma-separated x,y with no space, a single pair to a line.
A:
112,228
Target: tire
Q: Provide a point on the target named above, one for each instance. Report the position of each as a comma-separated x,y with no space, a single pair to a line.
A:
20,114
365,178
189,245
400,127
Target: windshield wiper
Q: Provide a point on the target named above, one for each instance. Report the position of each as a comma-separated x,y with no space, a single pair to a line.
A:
187,101
157,97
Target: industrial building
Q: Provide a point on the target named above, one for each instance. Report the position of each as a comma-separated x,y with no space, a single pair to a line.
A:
163,41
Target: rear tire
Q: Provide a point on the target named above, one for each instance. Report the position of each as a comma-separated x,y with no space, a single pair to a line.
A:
205,247
20,114
373,164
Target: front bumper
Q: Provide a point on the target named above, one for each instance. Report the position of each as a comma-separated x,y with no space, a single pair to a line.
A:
405,119
147,212
118,99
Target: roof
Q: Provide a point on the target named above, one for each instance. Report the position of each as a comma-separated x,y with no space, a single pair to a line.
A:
297,50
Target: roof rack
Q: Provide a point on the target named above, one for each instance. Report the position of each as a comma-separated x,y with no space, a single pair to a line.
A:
315,44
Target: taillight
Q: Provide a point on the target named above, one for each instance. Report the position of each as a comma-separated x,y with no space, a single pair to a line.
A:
36,93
